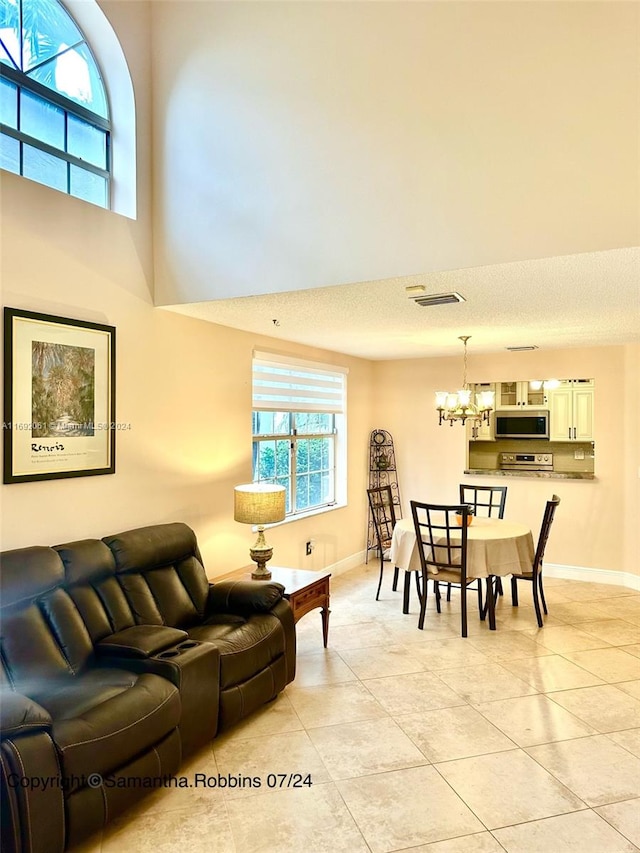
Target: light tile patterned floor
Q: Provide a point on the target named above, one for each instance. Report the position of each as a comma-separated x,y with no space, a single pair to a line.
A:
520,740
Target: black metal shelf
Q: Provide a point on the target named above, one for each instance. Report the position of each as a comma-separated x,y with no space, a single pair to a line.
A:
382,472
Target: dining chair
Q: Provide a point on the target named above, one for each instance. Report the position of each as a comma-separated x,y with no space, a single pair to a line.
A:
535,576
443,556
384,520
487,502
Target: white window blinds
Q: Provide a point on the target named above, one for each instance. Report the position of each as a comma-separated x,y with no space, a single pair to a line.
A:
285,384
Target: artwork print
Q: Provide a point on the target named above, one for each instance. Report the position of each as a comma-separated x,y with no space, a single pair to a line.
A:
59,397
62,390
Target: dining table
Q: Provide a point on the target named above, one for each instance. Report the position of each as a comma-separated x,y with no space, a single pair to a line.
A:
496,547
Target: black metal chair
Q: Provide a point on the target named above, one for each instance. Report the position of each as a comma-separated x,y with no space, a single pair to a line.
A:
384,520
443,556
535,577
487,502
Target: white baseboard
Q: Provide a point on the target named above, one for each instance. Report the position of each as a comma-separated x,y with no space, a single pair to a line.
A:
347,564
580,573
551,570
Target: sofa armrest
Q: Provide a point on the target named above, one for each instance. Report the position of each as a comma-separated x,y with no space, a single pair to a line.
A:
31,784
21,715
243,596
140,641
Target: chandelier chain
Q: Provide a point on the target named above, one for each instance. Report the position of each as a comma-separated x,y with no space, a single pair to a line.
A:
464,371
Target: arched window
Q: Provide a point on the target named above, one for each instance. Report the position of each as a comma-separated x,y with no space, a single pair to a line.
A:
54,114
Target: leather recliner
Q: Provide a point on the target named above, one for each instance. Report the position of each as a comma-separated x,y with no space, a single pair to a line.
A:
67,720
160,573
118,657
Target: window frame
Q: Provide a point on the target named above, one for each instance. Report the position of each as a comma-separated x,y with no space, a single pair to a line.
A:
294,437
23,81
296,397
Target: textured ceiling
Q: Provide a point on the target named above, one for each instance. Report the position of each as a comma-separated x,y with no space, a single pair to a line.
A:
332,154
576,300
303,146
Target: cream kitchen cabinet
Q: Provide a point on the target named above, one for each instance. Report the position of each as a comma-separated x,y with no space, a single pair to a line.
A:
519,395
571,409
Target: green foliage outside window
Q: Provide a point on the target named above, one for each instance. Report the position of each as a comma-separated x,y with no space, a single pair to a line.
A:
303,462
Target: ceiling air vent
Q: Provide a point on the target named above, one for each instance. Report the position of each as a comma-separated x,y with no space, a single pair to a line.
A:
522,349
425,299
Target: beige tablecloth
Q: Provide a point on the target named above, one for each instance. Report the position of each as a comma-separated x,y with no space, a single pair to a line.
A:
495,546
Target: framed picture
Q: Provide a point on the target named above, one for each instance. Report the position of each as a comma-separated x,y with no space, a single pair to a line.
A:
59,397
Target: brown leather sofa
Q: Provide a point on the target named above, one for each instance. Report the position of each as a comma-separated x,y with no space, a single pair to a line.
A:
118,658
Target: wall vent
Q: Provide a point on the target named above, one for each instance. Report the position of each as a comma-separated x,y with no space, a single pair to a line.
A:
522,349
425,300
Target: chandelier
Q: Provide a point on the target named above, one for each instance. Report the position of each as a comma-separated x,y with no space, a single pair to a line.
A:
457,405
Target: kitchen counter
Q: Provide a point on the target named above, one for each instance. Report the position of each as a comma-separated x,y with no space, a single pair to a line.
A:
537,475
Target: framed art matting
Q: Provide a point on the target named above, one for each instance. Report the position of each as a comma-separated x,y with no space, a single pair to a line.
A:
59,397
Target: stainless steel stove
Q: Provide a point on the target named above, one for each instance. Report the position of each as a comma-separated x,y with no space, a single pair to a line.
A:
526,461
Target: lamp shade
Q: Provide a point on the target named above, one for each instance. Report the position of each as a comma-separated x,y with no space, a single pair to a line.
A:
259,503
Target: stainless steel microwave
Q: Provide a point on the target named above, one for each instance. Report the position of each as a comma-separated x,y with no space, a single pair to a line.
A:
522,424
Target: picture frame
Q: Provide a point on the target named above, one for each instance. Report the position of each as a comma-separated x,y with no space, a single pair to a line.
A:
59,397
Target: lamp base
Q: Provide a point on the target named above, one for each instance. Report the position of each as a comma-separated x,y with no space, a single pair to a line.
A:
260,556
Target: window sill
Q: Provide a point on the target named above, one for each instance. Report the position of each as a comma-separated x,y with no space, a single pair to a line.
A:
299,516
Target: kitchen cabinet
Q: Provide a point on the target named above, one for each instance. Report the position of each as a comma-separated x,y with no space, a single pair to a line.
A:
571,408
519,395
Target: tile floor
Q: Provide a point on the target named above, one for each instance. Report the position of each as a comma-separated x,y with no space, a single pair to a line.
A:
522,740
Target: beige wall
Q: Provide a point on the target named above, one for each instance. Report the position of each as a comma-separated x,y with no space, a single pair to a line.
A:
394,138
596,525
184,386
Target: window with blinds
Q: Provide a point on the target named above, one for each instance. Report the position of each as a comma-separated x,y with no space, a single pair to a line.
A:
299,410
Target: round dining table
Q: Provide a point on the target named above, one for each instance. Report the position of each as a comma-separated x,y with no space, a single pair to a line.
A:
495,546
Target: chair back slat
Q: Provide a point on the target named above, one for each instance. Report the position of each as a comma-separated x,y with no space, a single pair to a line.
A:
487,501
545,529
434,525
383,513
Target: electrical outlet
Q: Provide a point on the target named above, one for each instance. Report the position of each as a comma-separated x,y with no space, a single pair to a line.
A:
578,453
309,550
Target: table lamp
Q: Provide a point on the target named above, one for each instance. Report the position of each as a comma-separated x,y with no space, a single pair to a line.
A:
260,504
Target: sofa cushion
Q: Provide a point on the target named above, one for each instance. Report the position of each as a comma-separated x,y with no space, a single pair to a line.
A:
86,561
66,625
156,545
32,655
158,597
104,717
90,579
161,572
28,573
247,645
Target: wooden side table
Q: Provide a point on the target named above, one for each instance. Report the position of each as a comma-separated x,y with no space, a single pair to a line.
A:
304,590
